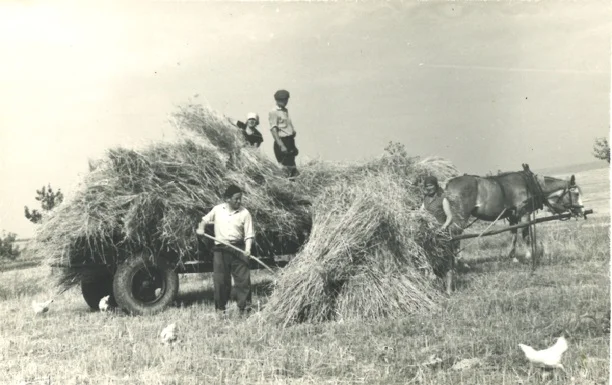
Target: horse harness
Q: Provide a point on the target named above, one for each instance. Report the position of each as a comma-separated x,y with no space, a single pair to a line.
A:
535,190
539,199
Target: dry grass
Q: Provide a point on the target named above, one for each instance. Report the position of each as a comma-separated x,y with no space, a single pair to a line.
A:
498,305
365,257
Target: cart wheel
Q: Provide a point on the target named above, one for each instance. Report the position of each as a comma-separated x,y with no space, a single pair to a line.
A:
95,287
145,285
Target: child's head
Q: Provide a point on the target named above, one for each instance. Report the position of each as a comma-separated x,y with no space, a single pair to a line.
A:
252,120
281,97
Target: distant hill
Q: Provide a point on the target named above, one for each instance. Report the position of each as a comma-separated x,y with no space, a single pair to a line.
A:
570,169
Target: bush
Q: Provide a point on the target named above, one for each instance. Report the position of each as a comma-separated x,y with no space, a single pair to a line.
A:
8,248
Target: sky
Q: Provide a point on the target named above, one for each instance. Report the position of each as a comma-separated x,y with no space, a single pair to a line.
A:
487,85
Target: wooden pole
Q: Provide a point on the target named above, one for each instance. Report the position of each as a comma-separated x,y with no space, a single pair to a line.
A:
534,245
240,251
519,226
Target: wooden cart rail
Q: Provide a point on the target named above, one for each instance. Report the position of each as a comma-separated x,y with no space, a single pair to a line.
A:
519,226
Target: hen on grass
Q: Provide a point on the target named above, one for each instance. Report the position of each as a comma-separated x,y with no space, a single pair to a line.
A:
168,335
41,307
548,358
103,305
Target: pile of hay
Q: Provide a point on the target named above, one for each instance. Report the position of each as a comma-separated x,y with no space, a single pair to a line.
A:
153,198
371,250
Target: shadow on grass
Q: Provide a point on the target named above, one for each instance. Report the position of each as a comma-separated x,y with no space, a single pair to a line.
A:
470,268
479,264
207,295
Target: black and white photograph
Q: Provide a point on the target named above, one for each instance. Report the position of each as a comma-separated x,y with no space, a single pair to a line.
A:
305,192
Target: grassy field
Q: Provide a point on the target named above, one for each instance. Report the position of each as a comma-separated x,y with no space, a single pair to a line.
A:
497,305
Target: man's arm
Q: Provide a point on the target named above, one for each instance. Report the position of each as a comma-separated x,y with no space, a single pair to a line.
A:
278,140
206,219
274,130
249,234
236,123
448,212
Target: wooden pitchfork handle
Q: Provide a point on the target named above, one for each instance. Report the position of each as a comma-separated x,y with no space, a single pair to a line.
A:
240,251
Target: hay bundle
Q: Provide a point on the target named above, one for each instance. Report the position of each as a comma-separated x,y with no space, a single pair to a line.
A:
368,253
153,198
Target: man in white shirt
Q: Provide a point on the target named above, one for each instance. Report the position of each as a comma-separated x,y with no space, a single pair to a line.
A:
234,225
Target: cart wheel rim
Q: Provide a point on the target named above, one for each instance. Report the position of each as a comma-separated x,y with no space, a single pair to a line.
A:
148,285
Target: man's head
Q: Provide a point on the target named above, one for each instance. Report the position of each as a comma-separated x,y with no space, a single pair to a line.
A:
281,97
430,185
233,196
252,119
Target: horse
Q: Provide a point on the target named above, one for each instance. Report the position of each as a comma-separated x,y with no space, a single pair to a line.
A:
511,196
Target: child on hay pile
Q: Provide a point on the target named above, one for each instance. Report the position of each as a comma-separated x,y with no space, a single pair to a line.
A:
249,129
283,133
233,225
436,203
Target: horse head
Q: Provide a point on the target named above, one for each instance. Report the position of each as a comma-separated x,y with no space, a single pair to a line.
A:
566,197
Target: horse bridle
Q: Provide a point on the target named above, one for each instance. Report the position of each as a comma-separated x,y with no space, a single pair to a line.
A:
566,191
571,184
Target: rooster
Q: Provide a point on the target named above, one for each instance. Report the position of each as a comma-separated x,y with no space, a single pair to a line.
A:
548,358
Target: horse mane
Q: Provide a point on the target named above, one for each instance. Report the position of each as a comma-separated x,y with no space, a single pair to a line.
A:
492,176
502,174
552,178
542,179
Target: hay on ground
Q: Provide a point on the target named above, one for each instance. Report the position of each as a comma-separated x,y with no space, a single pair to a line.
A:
368,256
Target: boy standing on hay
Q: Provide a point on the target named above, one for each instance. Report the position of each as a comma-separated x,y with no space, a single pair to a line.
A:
438,205
233,225
283,133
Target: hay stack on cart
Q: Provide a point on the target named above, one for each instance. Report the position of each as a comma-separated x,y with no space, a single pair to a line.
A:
129,228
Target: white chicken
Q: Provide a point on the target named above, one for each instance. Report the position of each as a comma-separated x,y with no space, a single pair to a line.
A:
168,335
41,307
103,305
548,357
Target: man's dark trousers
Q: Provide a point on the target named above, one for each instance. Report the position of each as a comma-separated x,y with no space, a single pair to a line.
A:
228,263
